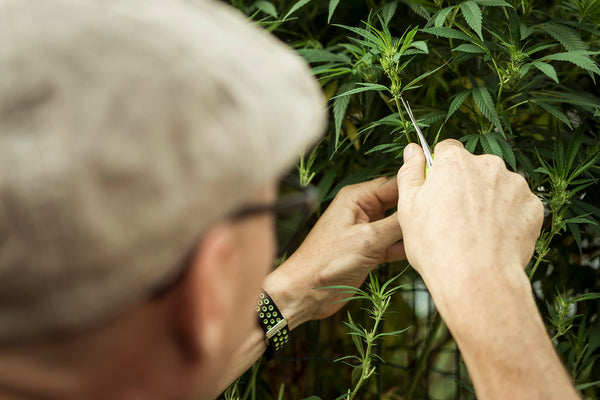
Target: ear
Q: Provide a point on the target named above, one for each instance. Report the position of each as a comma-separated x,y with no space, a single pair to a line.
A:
203,303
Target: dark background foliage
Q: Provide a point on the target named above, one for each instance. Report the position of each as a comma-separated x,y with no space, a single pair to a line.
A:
518,79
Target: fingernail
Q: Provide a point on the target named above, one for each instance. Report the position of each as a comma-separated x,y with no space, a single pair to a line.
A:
409,151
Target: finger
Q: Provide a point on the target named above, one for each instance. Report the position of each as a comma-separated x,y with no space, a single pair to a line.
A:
387,232
411,175
385,191
395,252
377,194
447,145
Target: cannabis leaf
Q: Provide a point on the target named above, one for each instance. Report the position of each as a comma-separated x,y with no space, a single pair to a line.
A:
473,16
547,69
484,102
332,6
581,58
447,33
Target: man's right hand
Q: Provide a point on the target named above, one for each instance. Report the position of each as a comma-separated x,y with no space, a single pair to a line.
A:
470,214
470,229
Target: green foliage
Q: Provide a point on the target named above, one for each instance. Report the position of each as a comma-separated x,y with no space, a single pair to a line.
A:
365,339
514,78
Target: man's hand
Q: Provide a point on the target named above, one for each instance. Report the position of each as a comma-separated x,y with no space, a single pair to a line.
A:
470,215
350,239
470,229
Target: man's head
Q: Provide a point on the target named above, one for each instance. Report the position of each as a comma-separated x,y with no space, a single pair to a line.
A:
129,131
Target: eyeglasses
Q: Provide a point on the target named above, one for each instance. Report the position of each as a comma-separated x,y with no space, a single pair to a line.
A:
303,198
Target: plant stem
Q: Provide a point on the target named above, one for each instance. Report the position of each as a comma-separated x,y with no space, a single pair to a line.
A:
538,260
366,362
402,118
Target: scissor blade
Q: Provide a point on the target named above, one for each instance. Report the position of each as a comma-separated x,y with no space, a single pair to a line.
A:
424,145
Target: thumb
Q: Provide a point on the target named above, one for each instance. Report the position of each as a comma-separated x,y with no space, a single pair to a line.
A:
411,176
387,232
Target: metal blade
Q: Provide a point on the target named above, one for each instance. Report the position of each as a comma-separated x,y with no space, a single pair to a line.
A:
424,145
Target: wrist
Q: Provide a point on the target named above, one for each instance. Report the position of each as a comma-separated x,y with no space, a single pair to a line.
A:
291,297
471,296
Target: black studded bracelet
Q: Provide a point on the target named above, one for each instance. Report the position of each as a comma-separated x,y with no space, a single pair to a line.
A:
273,323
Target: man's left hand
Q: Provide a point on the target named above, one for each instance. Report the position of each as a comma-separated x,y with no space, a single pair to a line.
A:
349,240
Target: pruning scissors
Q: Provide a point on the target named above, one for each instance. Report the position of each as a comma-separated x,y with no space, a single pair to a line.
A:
424,145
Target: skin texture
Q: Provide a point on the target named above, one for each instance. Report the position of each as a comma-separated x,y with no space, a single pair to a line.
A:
470,230
174,347
350,239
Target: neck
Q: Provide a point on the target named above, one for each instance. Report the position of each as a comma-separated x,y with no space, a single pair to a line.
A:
131,358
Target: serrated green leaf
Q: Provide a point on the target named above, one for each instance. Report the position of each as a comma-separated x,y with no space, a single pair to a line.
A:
388,11
420,45
267,7
569,38
457,102
297,5
485,145
555,112
580,58
527,166
411,84
493,3
580,219
526,31
340,105
332,6
573,148
447,33
525,69
430,118
384,148
571,97
484,102
363,88
470,48
418,9
507,152
372,39
586,296
472,13
331,70
587,385
319,55
490,145
538,47
547,69
470,141
576,232
440,16
407,40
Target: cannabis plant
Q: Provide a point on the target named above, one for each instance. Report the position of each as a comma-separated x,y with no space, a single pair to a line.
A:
514,78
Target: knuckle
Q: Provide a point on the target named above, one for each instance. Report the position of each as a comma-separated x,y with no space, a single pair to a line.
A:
493,161
345,191
450,146
367,234
538,211
521,183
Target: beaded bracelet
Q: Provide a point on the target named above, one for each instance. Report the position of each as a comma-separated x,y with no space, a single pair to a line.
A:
273,323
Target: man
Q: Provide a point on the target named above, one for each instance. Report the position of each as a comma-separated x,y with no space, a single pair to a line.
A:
139,141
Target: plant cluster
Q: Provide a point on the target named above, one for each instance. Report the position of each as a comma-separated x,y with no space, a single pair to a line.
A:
515,78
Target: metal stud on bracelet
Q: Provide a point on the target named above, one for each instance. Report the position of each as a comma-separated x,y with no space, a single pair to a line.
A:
273,323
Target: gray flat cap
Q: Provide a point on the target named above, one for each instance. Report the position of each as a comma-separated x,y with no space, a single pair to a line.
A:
126,128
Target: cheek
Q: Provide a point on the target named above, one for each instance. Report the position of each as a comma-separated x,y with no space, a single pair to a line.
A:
256,263
260,260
